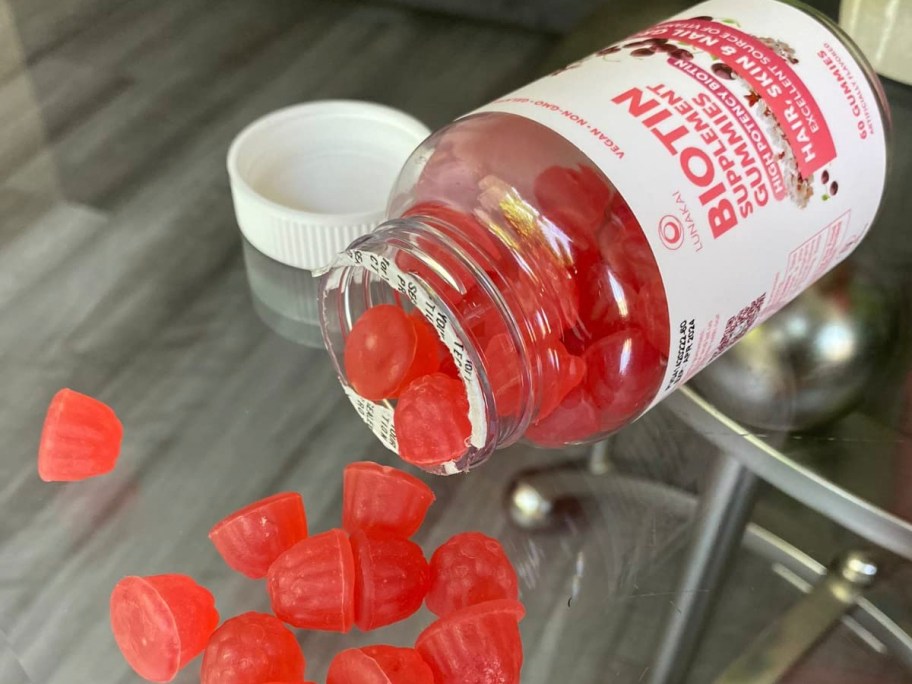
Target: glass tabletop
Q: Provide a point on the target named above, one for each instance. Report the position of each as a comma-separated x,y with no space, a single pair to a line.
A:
122,275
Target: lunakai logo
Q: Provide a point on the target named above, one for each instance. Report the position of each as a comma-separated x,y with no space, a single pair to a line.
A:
671,232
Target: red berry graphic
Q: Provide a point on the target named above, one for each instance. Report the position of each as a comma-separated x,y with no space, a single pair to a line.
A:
723,71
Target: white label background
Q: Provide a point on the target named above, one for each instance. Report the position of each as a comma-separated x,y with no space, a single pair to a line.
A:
770,256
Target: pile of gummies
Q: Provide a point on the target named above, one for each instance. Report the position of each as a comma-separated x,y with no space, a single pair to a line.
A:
368,573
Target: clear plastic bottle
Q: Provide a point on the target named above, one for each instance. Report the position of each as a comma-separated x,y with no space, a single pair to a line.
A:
536,272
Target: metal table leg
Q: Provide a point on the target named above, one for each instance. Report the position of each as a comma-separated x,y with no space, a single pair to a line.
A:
721,518
789,639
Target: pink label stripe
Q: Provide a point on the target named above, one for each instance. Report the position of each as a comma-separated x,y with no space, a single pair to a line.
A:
771,77
765,153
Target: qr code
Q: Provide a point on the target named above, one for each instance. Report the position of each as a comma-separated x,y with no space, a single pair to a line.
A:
739,324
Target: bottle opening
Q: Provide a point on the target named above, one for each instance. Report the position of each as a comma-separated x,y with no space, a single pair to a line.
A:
398,345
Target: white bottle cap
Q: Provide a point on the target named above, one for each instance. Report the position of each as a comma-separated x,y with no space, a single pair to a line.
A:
309,179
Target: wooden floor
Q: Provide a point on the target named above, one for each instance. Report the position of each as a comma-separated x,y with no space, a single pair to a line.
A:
122,275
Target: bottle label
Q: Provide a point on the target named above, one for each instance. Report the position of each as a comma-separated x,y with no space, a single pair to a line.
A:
750,146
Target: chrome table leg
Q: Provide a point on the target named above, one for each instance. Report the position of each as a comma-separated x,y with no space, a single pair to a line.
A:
787,640
721,517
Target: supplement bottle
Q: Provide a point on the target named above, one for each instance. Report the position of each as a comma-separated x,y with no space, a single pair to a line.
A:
586,244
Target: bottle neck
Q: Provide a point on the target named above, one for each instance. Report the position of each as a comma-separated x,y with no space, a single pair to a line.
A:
469,278
462,287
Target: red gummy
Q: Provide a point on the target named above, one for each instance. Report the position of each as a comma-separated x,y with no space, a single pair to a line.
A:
250,539
161,623
652,315
80,439
611,239
312,584
448,367
622,215
576,419
504,373
470,568
549,301
379,351
454,221
252,648
379,665
555,295
561,373
448,174
609,284
432,420
378,497
429,273
465,224
608,303
623,371
430,350
391,578
638,254
576,199
478,316
480,644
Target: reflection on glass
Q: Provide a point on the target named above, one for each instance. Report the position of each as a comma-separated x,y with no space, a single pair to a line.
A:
811,362
284,297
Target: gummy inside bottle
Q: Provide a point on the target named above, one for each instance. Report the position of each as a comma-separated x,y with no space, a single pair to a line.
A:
548,276
569,258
